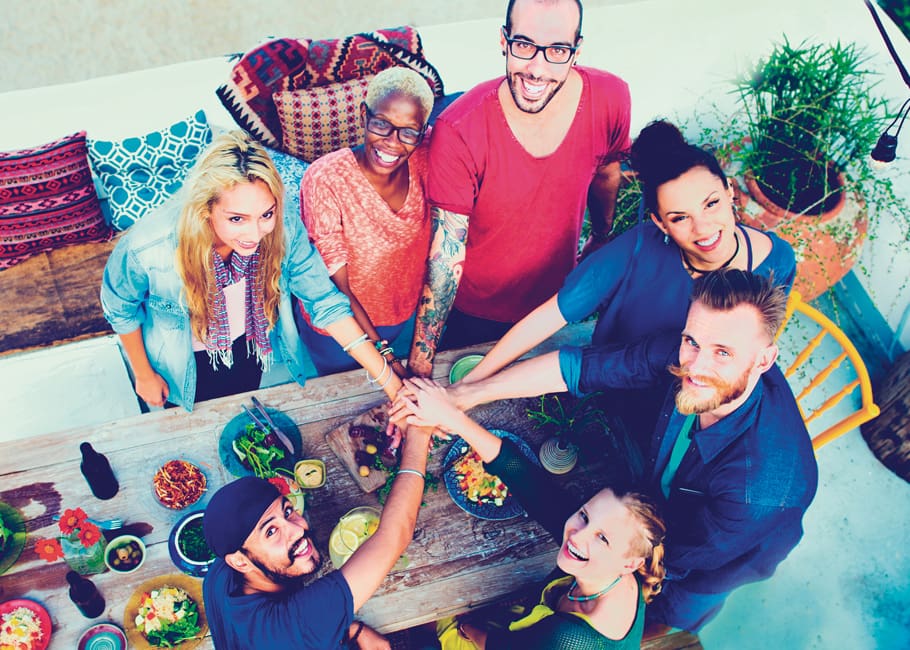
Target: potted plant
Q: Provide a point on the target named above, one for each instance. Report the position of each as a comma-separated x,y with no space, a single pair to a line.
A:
801,143
565,419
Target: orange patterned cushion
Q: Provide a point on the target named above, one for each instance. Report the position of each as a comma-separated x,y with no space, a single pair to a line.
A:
316,121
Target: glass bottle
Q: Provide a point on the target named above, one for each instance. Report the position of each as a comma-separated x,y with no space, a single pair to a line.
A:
97,471
85,595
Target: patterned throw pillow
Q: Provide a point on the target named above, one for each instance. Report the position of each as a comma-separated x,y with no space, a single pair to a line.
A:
292,64
319,120
141,173
47,200
291,170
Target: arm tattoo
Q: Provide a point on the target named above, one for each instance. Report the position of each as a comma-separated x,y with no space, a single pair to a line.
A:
444,266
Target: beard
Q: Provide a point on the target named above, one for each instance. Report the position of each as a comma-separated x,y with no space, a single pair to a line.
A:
279,575
688,403
532,106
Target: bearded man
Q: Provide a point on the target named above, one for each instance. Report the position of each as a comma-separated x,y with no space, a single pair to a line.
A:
730,456
513,164
259,592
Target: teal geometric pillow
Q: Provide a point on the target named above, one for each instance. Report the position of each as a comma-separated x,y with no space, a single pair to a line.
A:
141,173
291,170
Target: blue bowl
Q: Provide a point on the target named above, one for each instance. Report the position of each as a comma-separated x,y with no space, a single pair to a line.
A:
188,566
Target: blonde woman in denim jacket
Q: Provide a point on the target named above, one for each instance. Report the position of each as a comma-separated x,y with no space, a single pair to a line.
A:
200,290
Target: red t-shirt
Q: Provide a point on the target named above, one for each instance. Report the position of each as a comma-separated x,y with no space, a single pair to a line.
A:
525,213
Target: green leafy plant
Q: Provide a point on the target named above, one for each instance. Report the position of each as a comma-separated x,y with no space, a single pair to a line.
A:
810,115
568,417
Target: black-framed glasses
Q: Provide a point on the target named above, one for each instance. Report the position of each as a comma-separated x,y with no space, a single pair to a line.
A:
384,128
522,49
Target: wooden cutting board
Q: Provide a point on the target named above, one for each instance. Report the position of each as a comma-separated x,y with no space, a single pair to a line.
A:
345,447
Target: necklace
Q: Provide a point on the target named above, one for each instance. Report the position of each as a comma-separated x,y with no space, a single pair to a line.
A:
692,269
582,599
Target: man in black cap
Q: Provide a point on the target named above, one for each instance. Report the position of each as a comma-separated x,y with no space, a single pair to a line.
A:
254,593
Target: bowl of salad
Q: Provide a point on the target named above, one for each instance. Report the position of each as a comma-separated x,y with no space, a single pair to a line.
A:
187,546
166,612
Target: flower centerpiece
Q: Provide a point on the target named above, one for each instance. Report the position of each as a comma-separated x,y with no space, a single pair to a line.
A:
80,544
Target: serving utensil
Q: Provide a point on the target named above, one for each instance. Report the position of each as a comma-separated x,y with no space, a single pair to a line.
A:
260,407
104,524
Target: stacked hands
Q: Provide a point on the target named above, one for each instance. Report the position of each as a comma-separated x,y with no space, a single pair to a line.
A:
425,403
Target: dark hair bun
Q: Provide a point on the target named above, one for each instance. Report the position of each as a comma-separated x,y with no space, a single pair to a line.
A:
657,141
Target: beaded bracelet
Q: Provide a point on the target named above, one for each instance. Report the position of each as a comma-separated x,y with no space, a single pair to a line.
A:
383,347
353,344
414,472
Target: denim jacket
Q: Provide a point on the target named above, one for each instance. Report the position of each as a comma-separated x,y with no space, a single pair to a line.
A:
141,288
738,497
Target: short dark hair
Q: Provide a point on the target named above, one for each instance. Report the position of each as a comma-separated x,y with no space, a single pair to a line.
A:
512,4
727,289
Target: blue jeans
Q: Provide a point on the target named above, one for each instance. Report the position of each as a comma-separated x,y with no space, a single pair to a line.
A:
327,355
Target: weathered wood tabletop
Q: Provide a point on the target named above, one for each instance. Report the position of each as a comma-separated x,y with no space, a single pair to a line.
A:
456,562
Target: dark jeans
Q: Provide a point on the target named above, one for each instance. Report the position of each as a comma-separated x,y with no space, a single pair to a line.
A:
244,375
463,330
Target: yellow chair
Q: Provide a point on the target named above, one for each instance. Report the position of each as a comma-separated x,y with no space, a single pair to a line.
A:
868,409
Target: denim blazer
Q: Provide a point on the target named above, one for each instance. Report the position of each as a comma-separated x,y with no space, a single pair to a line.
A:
738,497
141,288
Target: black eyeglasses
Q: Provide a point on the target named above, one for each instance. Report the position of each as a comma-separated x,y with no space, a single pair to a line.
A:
527,50
384,128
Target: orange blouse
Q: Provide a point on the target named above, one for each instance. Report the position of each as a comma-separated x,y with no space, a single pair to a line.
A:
351,224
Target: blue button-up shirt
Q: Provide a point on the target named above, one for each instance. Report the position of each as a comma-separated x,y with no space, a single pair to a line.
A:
737,500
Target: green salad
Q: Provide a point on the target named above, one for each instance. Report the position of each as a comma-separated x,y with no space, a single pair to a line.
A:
5,534
167,617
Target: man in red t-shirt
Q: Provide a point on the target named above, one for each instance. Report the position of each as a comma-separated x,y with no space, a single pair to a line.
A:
517,159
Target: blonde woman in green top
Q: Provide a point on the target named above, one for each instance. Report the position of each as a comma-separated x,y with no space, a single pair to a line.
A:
611,546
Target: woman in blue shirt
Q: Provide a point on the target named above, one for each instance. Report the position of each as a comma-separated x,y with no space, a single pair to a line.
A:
200,290
640,283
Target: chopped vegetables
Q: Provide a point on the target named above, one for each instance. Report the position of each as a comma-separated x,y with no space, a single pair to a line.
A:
192,542
20,629
179,484
259,451
5,534
167,617
476,484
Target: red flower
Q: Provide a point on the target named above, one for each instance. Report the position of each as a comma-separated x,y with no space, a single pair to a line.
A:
89,534
71,520
48,549
281,484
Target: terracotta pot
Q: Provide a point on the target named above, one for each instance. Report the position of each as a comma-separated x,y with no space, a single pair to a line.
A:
826,245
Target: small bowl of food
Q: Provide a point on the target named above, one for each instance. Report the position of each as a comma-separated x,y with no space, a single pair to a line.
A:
124,554
310,473
463,366
187,546
178,484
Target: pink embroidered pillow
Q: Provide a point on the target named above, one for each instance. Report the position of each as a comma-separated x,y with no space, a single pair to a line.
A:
47,200
317,121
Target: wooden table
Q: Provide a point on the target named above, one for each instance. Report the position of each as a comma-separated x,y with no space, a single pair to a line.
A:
457,562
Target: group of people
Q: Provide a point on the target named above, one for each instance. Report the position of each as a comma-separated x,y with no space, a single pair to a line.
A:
469,230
